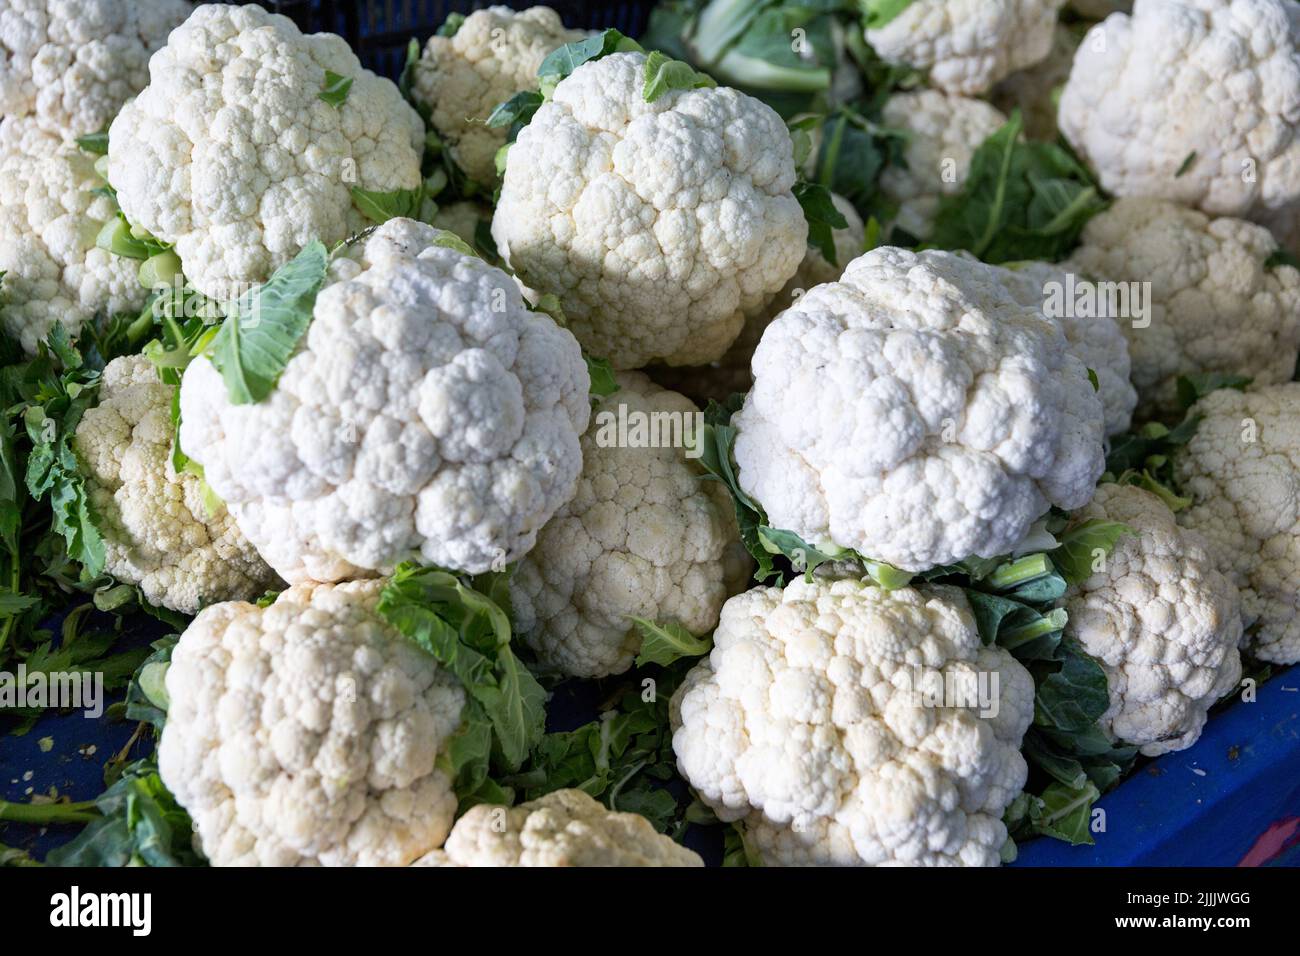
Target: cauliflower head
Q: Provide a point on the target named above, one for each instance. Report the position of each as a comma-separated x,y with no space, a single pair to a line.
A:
71,64
660,226
157,530
943,133
916,412
645,536
1098,341
231,154
49,219
1196,101
968,45
563,828
1161,620
427,415
308,733
813,721
493,55
1242,471
1214,306
729,374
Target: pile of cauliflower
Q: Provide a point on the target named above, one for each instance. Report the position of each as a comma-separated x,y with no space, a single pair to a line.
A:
515,367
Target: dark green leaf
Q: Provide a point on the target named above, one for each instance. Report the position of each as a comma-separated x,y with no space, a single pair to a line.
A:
822,216
601,375
518,109
1022,200
1073,698
1195,386
141,824
1186,164
1281,257
12,604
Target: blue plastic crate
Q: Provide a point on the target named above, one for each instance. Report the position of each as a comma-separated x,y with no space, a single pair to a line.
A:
379,30
1232,799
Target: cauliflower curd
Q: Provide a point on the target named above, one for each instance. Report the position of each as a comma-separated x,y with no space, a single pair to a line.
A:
1161,620
71,64
1215,306
644,536
231,154
808,723
1197,101
968,45
494,54
660,226
1242,471
427,415
937,417
1097,340
54,274
157,529
309,733
563,828
943,133
731,373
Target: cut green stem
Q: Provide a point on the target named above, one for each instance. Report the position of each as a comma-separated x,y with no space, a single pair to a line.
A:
1013,637
42,814
1019,571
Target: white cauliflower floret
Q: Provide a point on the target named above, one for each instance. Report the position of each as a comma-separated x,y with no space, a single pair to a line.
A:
936,416
968,45
1097,340
493,55
309,733
22,134
1196,101
49,220
563,828
71,64
813,721
231,154
644,536
659,226
1214,306
157,531
1033,90
943,134
731,373
427,415
1161,620
1242,471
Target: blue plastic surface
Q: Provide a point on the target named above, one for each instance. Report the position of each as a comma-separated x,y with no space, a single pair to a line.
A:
1211,804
